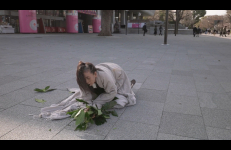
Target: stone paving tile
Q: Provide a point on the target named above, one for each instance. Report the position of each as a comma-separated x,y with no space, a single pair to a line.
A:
165,63
36,130
221,73
14,98
217,118
163,69
93,129
199,67
220,67
205,79
61,78
145,67
183,125
214,100
140,72
151,95
229,94
52,97
138,77
182,79
30,72
218,134
226,86
159,76
201,72
182,73
144,112
209,87
14,117
126,130
72,135
45,75
37,63
162,136
182,89
182,104
12,86
40,85
8,79
155,84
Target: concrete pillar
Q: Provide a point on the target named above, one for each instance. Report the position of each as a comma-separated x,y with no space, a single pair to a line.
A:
131,15
98,13
72,21
113,17
122,22
113,21
27,21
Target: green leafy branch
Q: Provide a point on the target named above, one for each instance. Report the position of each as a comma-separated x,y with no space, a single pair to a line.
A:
46,89
91,115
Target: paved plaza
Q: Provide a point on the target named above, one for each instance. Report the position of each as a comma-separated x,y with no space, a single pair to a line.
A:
183,89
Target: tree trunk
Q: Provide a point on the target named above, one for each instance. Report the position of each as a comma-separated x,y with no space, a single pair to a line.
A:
106,23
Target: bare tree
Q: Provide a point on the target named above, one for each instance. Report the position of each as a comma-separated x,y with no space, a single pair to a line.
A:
176,16
228,15
106,23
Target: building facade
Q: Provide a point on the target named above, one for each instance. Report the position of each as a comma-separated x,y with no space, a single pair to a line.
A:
55,20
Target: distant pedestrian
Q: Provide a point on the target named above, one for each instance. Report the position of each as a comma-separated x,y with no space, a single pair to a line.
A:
144,29
160,29
224,31
228,32
194,30
155,30
221,32
214,32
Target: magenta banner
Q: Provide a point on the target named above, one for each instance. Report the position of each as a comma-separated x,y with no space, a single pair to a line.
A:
27,21
72,21
96,22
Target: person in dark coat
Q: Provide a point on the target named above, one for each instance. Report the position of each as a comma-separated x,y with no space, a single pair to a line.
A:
224,31
221,31
198,31
144,29
194,30
155,30
160,28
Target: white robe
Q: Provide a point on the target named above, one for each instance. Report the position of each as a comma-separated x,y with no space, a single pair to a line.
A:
115,83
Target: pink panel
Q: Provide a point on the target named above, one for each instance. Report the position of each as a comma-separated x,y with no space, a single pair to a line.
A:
72,21
96,22
27,21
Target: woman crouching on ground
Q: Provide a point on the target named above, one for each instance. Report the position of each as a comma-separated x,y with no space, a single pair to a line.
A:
98,85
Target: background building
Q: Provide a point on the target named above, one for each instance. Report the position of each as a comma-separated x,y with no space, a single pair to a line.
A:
58,18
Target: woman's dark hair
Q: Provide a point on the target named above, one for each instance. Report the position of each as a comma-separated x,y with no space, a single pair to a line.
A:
81,68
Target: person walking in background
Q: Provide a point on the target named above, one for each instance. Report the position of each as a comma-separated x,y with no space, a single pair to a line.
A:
224,31
155,30
228,32
144,29
198,31
214,32
194,30
221,32
160,28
